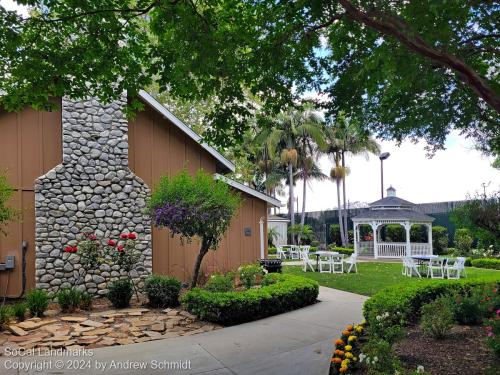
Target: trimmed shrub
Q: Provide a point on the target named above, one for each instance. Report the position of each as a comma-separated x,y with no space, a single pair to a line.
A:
69,299
490,263
341,250
162,291
5,316
271,250
437,317
467,309
19,311
289,292
86,301
439,239
402,303
120,293
38,300
220,283
463,239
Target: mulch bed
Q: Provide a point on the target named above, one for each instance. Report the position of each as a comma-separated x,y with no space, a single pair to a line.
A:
463,351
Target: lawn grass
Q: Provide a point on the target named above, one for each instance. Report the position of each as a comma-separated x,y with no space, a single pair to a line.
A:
374,276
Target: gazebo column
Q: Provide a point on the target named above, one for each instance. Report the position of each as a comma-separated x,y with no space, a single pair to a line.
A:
408,244
429,237
374,226
356,238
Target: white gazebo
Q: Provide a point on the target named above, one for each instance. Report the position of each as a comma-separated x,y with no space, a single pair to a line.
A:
391,210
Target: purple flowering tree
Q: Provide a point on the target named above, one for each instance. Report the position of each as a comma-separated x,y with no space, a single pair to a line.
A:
192,207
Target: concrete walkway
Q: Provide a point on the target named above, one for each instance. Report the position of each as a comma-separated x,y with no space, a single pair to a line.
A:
298,342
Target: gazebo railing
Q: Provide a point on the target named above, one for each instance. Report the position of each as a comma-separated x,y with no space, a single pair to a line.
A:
391,249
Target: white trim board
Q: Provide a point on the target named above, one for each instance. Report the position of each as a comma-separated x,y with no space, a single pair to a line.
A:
246,189
184,128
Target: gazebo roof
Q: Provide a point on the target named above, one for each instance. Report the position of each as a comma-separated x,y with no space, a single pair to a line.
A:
397,214
393,208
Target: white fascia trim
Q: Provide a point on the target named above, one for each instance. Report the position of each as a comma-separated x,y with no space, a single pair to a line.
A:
184,128
239,186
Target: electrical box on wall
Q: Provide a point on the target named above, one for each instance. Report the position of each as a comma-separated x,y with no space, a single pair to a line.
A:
9,263
248,231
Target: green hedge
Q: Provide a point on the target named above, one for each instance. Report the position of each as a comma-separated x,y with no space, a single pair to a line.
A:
288,293
404,301
271,250
341,250
491,263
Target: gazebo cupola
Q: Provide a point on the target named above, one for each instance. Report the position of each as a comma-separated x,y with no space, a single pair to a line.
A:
385,211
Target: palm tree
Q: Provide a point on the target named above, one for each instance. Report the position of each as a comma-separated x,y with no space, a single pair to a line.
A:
309,170
354,141
346,137
293,130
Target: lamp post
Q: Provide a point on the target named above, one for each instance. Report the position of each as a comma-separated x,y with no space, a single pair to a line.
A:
382,157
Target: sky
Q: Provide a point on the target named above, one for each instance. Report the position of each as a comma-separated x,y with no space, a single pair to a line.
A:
450,175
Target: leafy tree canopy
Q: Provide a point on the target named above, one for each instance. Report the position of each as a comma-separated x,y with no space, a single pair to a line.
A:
404,68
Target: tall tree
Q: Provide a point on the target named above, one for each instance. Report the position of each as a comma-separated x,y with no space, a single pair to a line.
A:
407,68
353,140
292,130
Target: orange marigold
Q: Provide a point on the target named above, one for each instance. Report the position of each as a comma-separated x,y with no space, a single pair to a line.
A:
343,369
349,327
339,352
336,360
346,332
339,342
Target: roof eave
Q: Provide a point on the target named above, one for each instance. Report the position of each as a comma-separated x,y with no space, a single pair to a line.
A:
246,189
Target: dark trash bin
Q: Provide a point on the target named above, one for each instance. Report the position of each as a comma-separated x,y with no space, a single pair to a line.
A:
271,265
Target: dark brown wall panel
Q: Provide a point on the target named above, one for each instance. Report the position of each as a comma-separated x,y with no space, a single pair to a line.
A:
30,146
156,148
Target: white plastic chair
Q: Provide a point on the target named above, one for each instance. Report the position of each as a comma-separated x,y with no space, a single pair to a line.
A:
337,262
352,262
462,265
304,250
294,252
435,268
325,260
454,267
307,262
280,252
410,267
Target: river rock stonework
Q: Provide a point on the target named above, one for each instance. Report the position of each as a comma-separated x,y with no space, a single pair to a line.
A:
93,190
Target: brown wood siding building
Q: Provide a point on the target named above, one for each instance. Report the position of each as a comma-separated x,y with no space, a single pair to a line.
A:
30,145
156,148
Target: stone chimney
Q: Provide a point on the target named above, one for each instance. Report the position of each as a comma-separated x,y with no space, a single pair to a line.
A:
93,190
391,192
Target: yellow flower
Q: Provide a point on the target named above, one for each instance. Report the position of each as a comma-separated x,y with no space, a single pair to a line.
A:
351,338
343,369
354,359
348,355
348,348
359,329
345,362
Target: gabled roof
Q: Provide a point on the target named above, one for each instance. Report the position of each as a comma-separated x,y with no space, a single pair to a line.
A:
158,107
246,189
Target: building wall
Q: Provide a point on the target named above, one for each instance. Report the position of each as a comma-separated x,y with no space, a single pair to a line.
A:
157,148
30,145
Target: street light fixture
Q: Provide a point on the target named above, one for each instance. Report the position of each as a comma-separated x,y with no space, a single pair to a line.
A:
383,156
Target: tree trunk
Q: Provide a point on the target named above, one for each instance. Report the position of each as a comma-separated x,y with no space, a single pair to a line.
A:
341,225
292,200
396,27
303,213
196,271
346,228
